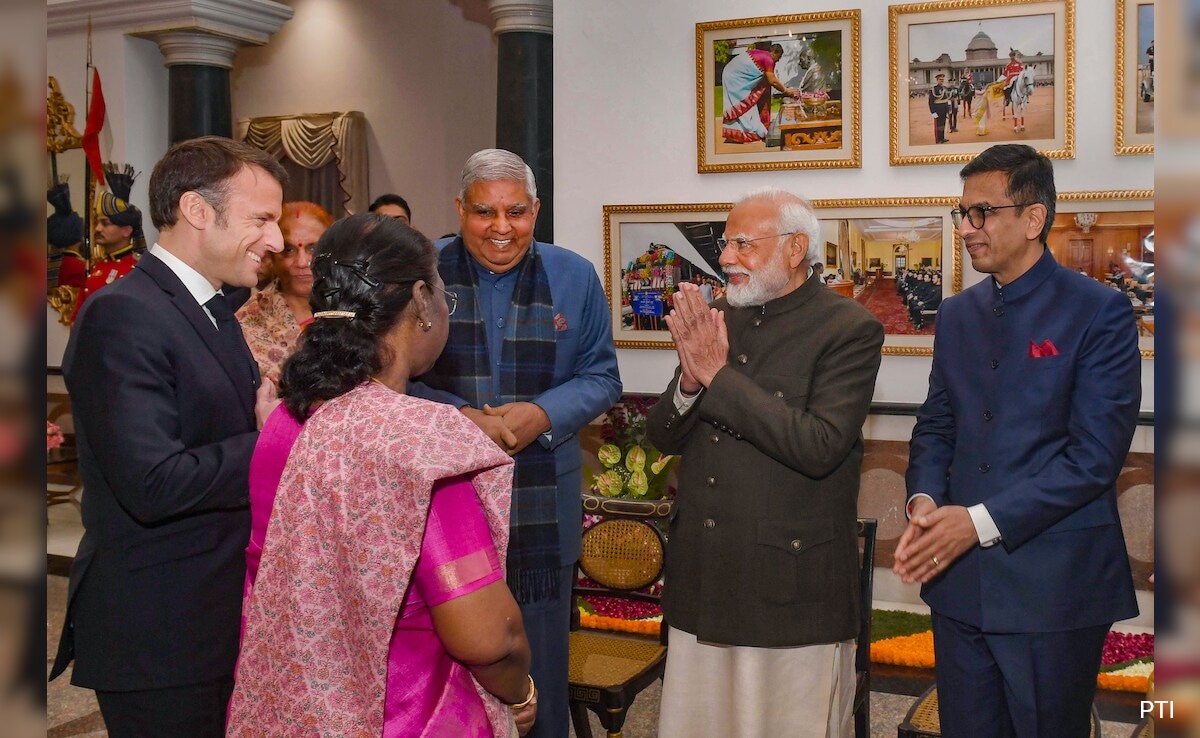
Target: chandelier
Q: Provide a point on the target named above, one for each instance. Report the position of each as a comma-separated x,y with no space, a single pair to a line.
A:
1085,221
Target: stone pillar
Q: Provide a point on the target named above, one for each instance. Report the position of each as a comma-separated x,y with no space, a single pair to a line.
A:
525,93
199,98
198,48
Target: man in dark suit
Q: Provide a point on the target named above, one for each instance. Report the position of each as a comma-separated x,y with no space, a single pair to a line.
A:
167,404
1014,534
939,107
767,409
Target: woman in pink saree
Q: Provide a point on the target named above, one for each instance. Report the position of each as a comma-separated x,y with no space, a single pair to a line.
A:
375,599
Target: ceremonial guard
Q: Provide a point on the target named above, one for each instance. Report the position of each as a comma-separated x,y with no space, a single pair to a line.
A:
118,232
939,106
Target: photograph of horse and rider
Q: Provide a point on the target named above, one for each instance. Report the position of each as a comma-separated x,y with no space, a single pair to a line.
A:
988,81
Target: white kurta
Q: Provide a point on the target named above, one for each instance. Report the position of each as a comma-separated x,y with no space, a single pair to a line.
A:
748,692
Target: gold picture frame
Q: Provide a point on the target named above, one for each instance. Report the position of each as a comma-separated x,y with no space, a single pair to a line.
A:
932,38
1129,214
640,243
818,126
650,248
888,251
1134,78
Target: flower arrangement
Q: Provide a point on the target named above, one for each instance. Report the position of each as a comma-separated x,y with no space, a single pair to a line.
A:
632,467
905,639
54,436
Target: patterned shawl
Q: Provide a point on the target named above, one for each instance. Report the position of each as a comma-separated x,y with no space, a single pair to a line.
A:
341,546
464,368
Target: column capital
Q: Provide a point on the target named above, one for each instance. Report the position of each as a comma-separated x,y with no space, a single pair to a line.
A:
247,22
536,16
194,47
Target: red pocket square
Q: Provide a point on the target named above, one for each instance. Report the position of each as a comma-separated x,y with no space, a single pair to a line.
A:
1047,348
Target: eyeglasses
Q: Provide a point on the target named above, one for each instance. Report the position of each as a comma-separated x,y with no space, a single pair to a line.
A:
743,244
977,214
451,298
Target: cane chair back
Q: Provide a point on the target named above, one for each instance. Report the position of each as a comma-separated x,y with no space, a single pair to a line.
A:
622,555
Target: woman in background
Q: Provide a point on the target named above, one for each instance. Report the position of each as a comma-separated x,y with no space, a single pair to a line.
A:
273,318
746,83
379,606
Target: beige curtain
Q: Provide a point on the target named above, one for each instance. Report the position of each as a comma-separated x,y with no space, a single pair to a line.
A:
332,147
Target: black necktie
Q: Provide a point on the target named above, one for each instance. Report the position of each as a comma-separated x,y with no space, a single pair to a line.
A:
230,335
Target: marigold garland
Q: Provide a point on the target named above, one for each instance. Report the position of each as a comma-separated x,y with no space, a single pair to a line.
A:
911,650
599,622
916,651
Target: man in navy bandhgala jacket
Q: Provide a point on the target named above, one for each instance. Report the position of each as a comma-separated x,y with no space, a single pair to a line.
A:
1013,532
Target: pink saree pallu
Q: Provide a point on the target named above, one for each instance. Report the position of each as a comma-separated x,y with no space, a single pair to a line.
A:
341,550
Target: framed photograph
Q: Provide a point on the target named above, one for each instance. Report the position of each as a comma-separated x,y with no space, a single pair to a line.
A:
897,258
648,251
779,92
1135,77
968,74
1109,236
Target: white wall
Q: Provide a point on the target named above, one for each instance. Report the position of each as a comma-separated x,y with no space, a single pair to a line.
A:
625,132
424,73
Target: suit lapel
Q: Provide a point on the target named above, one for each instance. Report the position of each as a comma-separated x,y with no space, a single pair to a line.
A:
205,330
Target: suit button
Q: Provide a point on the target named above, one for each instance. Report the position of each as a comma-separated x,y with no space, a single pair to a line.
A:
995,363
711,481
985,468
796,544
779,394
987,414
715,438
998,311
710,523
756,322
742,359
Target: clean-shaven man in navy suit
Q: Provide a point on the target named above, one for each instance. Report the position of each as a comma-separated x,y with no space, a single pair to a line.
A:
1013,530
168,403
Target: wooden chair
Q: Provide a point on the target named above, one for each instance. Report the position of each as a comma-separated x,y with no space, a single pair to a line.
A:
867,528
622,553
923,721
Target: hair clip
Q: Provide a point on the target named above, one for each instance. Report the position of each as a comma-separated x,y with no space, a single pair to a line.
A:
347,314
359,267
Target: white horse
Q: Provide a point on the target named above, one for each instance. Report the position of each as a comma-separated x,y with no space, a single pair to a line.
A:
1019,92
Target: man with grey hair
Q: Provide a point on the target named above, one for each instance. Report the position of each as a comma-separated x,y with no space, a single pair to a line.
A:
530,359
774,383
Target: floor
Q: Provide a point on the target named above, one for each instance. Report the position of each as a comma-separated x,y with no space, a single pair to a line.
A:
71,712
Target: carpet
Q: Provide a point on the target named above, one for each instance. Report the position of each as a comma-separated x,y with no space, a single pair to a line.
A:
881,298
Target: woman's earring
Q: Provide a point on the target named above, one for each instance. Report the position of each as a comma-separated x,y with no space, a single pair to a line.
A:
427,325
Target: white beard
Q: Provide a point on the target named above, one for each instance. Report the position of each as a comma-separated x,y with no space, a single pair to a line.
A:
763,285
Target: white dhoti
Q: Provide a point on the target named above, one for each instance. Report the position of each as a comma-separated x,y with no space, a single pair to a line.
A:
750,692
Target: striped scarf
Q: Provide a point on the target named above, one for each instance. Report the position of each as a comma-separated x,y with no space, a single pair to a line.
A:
464,369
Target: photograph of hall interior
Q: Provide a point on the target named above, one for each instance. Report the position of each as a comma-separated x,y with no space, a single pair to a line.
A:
359,98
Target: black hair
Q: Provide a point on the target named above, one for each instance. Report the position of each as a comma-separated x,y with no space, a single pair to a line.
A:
391,199
366,264
1030,177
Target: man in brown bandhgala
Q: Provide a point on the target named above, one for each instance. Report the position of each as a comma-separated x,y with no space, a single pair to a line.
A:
766,408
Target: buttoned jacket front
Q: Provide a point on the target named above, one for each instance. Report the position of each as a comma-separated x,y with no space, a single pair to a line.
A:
1037,432
763,548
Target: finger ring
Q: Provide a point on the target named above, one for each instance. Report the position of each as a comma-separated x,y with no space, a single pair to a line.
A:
935,561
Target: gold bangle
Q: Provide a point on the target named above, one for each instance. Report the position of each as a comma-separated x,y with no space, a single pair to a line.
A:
525,703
